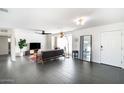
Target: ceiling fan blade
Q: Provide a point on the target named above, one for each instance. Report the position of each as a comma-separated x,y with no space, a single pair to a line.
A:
48,33
43,33
40,31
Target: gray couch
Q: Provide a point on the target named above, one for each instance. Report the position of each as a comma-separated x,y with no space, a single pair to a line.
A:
51,54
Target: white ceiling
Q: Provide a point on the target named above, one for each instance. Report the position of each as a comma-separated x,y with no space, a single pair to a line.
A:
55,20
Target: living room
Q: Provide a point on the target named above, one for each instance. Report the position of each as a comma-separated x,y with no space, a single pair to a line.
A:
61,46
76,46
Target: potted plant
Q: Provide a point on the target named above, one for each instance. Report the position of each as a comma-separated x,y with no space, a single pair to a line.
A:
22,43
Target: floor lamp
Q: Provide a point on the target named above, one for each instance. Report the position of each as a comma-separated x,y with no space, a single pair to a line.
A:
61,36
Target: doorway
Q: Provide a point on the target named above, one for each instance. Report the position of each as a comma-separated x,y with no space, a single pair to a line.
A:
86,48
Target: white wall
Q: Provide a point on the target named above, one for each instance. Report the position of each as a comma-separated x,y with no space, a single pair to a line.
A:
31,36
13,46
54,41
49,42
95,32
3,45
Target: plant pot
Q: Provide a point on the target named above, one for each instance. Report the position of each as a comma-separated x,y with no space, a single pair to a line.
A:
21,53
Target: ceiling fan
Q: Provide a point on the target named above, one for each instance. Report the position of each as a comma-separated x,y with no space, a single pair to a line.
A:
42,32
4,10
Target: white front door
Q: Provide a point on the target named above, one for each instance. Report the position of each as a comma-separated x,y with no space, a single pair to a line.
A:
111,48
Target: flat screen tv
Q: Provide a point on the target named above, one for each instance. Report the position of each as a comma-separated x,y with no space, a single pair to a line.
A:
35,46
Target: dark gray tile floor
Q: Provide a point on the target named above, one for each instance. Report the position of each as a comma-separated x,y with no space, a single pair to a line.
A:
59,71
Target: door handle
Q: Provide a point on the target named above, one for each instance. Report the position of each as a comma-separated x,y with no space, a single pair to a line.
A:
101,47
